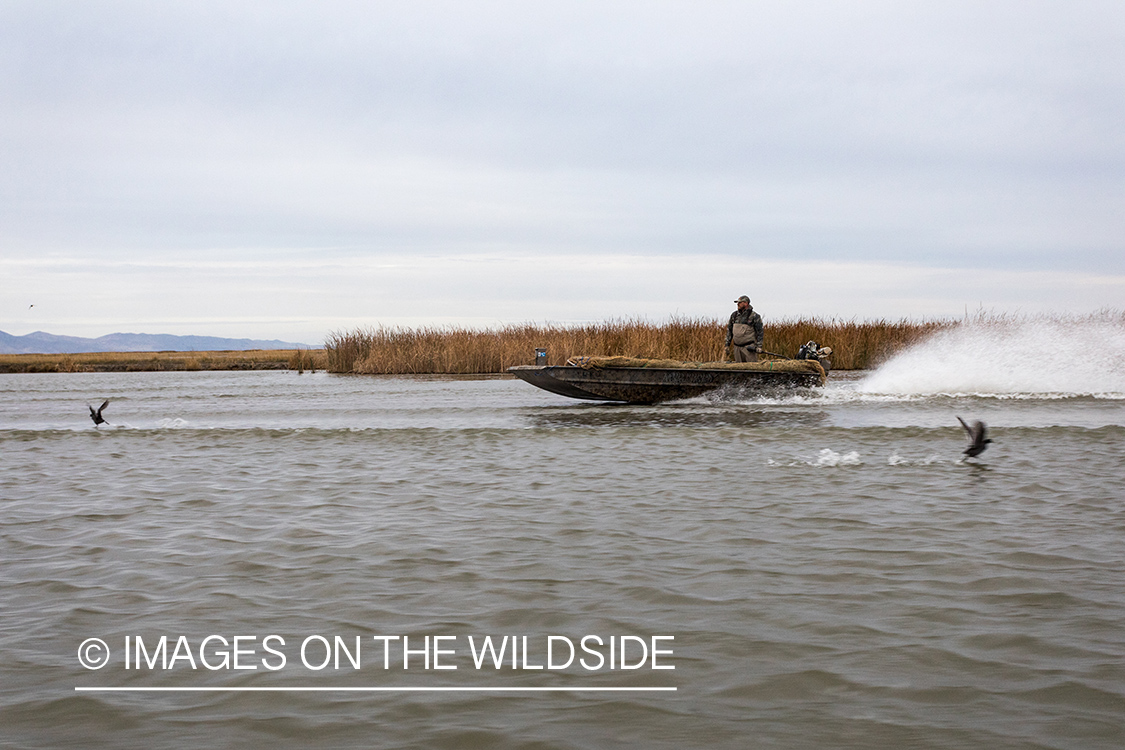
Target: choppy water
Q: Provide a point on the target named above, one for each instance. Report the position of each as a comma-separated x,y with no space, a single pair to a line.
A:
831,573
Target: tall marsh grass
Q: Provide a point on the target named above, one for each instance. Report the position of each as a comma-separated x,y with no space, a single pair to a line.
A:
453,350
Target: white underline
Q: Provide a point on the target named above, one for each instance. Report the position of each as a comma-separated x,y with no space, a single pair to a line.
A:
445,689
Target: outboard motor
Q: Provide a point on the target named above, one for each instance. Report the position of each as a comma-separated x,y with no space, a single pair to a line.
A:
812,350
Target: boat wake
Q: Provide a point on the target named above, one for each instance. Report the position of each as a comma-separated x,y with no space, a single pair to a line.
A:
1039,357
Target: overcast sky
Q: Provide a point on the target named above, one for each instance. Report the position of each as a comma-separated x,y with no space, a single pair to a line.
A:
284,170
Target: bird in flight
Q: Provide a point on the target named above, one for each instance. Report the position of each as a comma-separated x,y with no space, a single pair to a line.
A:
97,415
977,440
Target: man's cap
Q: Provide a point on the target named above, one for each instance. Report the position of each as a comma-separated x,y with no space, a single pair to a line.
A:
743,298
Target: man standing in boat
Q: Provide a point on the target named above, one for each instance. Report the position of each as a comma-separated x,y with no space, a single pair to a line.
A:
744,332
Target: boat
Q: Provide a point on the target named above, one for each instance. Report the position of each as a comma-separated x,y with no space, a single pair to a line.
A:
649,381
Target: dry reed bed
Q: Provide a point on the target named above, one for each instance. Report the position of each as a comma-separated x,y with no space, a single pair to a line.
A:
255,359
452,350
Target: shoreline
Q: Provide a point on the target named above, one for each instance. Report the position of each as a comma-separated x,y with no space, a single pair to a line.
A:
165,361
856,345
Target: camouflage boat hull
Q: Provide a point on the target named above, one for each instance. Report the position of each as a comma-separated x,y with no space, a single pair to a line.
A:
650,385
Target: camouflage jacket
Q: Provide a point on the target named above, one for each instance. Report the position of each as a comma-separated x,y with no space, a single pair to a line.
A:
750,318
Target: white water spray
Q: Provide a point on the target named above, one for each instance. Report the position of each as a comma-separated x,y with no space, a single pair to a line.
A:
1058,356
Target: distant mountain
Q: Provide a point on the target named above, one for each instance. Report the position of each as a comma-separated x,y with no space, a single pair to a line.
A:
47,343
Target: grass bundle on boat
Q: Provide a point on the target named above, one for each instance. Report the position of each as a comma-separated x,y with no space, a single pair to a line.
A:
768,365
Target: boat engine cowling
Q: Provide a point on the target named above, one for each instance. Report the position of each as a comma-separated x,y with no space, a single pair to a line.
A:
813,350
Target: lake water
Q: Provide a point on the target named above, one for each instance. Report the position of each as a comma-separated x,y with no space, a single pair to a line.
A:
820,570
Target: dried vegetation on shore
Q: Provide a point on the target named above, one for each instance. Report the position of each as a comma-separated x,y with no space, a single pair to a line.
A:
255,359
856,345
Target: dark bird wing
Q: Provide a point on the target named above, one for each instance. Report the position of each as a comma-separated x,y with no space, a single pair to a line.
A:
977,440
96,414
968,429
975,430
